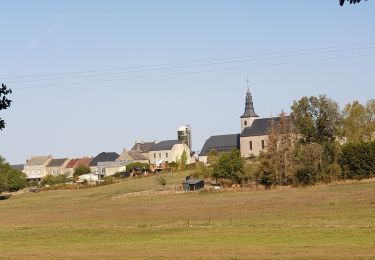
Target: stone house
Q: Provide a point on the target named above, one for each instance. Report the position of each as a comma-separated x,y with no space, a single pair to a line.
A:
56,166
35,167
168,151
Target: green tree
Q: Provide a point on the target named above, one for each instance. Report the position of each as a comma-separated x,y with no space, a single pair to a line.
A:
183,160
212,157
4,102
10,179
359,121
229,166
317,119
54,179
358,160
80,170
351,1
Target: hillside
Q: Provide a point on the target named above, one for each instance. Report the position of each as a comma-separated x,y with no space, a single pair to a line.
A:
334,221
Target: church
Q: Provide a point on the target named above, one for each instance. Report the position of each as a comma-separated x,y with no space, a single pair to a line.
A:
252,139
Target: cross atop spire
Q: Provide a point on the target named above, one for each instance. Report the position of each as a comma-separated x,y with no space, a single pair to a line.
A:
249,105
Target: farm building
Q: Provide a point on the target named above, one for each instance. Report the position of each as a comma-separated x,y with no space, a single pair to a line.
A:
192,185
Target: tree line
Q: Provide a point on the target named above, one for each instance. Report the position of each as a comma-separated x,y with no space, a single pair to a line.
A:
318,142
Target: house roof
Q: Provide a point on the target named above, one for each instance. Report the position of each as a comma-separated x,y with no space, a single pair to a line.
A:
220,143
135,155
104,157
261,126
18,167
85,161
72,163
57,162
164,145
143,147
37,160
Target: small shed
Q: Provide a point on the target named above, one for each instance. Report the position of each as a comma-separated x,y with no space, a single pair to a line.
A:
192,185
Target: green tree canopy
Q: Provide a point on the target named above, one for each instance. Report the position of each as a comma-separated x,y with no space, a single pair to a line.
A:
317,119
80,170
4,102
10,179
229,166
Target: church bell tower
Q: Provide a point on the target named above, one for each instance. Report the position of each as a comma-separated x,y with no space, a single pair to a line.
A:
249,115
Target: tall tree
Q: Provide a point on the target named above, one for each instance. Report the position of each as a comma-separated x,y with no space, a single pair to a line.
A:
10,179
359,121
317,119
4,102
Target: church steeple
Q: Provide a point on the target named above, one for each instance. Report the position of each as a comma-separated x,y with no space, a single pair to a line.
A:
249,105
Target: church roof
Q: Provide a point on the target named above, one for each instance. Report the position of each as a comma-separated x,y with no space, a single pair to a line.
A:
249,106
220,143
261,126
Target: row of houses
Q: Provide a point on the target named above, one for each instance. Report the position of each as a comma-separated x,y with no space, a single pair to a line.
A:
107,163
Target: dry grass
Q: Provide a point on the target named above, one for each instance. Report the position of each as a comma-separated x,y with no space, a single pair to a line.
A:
328,221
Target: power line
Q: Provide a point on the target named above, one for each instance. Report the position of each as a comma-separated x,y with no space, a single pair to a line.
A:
192,66
193,72
371,45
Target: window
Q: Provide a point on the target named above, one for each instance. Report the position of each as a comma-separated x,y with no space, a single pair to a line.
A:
166,155
154,155
245,123
159,155
251,145
262,144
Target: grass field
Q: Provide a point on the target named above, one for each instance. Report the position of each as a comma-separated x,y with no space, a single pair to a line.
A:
330,221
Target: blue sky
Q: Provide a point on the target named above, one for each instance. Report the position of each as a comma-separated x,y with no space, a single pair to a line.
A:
93,76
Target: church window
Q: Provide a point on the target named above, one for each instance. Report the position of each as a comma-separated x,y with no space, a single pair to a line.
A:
245,123
154,155
166,155
263,144
251,145
159,155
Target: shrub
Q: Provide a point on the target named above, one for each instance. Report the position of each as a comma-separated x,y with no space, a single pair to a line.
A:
161,180
10,179
358,160
52,179
138,167
201,170
229,166
306,176
80,170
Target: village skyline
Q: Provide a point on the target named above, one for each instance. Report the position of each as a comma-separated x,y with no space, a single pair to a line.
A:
89,77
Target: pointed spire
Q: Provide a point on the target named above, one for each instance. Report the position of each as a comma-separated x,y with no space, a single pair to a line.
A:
249,105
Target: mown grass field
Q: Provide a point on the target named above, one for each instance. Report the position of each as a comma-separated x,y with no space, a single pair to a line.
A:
330,221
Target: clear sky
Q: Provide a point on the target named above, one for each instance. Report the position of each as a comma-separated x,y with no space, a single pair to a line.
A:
92,76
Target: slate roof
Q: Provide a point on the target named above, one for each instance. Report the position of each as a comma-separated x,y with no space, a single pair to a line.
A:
261,126
37,160
104,157
249,106
143,147
220,143
18,167
57,162
135,155
164,145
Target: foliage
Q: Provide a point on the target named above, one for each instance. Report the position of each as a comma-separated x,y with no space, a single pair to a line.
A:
54,179
351,1
359,121
183,159
4,102
358,160
306,176
202,170
229,166
137,166
317,119
266,173
80,170
10,179
212,157
161,180
280,150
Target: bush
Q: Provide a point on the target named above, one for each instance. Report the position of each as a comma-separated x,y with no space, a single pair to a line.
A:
161,180
358,160
333,172
138,167
52,179
201,170
80,170
229,166
306,176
